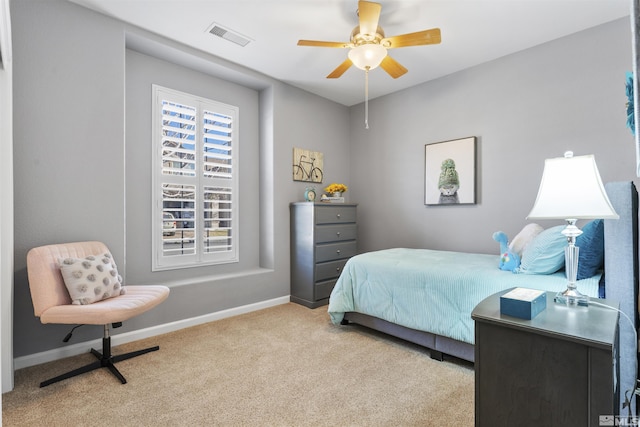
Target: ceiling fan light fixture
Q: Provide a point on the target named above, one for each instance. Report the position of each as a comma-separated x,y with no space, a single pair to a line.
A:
367,56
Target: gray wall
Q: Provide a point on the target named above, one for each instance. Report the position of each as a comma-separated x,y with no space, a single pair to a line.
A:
142,71
68,150
80,174
524,108
6,204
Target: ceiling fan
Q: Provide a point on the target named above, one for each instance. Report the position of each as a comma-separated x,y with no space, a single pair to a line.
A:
369,45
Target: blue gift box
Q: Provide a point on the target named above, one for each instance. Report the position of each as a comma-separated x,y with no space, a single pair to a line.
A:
523,303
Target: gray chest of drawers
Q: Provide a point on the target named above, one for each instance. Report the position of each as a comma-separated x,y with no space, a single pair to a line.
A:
323,238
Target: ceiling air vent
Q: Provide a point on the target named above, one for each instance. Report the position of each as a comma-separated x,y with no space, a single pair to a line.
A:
227,34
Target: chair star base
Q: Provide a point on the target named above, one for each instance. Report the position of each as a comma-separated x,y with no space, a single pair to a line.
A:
105,360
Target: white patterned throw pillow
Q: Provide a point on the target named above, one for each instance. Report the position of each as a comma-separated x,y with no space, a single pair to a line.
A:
91,279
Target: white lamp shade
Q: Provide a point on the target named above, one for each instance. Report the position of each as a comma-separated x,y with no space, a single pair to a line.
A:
367,56
571,188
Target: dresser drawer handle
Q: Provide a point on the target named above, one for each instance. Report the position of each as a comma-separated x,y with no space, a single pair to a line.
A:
338,269
338,215
338,251
338,234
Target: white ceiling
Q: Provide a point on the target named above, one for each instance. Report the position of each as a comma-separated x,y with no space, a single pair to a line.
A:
473,32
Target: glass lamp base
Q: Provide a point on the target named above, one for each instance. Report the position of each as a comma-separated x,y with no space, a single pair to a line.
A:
571,297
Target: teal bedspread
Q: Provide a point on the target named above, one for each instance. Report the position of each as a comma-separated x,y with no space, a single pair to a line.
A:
428,290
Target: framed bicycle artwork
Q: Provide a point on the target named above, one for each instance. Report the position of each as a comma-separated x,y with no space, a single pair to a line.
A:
450,172
307,165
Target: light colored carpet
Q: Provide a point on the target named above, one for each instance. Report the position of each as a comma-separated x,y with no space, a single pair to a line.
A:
282,366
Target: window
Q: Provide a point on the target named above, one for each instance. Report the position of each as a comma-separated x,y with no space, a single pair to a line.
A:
194,181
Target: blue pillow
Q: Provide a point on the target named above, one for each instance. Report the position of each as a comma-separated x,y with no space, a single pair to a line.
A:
591,244
545,253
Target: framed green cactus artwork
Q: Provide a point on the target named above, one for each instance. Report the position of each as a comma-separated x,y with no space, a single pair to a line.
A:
450,172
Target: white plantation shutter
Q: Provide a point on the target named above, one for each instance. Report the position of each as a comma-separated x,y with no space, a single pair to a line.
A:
218,219
217,145
179,202
178,139
195,187
218,173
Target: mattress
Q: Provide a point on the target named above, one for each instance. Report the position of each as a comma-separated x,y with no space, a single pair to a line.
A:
432,291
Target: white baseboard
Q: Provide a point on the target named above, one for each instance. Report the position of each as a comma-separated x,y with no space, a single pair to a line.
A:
72,350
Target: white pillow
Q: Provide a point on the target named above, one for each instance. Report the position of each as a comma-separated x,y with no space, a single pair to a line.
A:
524,237
545,253
91,279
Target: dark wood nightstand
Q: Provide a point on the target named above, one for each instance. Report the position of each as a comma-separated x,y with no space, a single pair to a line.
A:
557,369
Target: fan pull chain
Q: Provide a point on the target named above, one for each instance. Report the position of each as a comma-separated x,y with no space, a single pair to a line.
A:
366,98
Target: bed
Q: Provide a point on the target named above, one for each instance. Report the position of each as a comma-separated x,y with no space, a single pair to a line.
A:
426,296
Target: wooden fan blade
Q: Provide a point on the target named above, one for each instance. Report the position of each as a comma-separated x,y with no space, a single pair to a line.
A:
316,43
392,67
419,38
340,70
368,14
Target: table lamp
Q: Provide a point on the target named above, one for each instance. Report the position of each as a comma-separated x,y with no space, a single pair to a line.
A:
571,189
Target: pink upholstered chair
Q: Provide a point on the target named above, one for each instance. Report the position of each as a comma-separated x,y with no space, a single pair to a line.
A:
52,302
